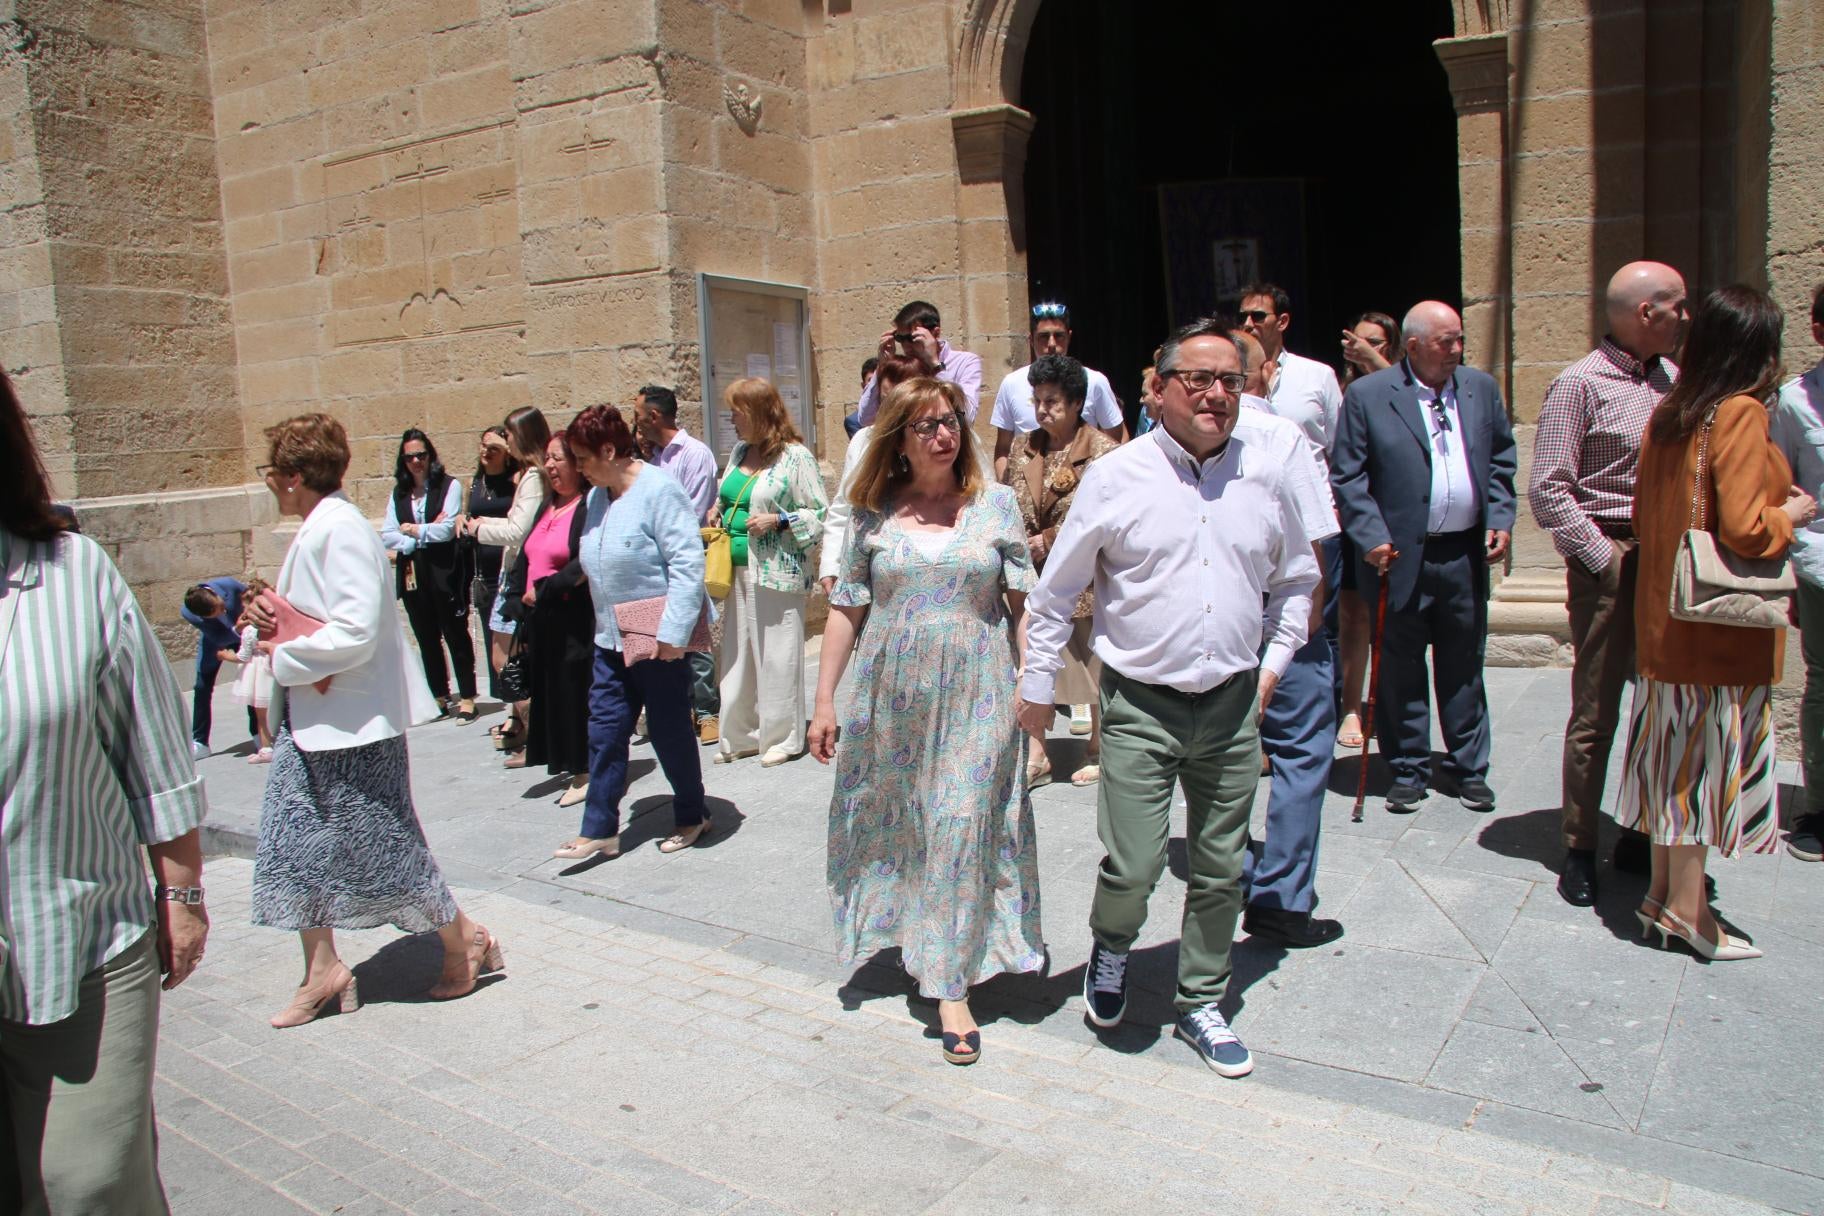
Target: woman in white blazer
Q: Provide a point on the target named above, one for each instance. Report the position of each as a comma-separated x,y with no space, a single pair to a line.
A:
340,846
528,435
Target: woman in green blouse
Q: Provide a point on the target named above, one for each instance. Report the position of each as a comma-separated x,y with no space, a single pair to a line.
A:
772,502
96,787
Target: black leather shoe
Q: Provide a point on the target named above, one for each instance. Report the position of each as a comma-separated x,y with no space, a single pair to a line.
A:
1296,930
1577,880
1806,840
1632,855
1474,794
1404,797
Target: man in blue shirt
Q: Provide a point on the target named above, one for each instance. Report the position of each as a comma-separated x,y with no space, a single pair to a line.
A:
1798,429
212,606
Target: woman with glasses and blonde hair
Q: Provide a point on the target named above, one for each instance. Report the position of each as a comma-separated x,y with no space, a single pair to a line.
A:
931,844
771,500
528,435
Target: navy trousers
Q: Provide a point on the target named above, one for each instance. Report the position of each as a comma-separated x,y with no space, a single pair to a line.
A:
1450,615
202,708
616,697
1298,733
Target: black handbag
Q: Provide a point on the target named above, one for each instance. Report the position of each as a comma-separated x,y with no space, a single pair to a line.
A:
515,679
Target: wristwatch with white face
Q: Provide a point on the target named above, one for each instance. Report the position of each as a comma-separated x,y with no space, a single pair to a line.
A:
178,895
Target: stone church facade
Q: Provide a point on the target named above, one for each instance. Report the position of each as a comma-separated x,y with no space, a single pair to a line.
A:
218,213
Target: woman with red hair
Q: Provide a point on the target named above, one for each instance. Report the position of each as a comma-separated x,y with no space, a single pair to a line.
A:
640,542
772,503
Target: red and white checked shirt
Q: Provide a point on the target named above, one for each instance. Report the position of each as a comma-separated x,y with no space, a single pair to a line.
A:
1587,446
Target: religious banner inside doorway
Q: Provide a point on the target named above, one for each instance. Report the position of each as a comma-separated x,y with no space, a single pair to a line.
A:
1217,237
750,328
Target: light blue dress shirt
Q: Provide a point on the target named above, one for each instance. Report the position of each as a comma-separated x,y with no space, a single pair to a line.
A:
1798,431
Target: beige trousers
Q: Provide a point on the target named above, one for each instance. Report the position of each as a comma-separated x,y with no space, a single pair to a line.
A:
76,1125
761,666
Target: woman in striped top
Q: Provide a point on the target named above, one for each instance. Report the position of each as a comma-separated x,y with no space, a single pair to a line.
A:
94,766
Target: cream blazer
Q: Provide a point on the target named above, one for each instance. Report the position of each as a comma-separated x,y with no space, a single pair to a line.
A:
337,572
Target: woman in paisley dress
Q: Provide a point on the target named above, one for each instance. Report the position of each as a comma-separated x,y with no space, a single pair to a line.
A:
340,846
1043,468
931,838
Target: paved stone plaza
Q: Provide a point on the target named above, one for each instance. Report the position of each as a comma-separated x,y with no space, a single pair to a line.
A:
674,1034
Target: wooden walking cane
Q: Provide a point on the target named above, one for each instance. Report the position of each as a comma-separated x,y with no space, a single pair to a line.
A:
1374,683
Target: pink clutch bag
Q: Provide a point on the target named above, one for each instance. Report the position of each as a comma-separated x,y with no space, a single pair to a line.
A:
638,621
289,623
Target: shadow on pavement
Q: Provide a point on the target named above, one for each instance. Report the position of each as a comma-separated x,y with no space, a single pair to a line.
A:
402,971
649,821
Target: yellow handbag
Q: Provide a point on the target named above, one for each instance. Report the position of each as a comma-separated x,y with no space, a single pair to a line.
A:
718,562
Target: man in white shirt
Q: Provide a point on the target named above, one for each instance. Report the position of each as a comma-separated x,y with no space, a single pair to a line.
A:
1298,729
687,458
1013,415
918,331
1183,534
1301,389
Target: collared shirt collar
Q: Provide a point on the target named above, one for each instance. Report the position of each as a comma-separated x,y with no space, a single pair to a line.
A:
1182,459
1447,394
1625,360
677,439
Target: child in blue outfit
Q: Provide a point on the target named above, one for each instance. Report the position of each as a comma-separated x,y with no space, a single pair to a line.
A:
213,606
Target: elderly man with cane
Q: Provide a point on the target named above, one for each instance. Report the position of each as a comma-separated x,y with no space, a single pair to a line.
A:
1183,535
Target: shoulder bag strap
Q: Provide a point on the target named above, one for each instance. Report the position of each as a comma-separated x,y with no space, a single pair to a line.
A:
1699,515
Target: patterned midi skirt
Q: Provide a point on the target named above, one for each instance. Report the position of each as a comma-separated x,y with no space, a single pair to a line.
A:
340,846
1700,767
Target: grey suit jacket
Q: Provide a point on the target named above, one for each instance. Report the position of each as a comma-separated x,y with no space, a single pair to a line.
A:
1380,467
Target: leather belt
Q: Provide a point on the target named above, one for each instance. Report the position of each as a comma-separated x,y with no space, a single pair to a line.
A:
1623,530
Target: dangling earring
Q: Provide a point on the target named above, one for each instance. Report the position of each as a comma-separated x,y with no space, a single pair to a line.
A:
904,465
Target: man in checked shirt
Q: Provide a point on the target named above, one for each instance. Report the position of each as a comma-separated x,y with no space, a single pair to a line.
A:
1582,492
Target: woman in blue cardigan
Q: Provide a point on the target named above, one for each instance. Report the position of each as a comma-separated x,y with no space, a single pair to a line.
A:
640,541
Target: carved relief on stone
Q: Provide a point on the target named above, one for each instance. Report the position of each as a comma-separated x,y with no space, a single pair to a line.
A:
744,105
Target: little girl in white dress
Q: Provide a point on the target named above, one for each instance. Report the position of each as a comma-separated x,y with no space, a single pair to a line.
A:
253,687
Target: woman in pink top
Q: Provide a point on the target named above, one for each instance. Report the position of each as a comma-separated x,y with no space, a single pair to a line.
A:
557,623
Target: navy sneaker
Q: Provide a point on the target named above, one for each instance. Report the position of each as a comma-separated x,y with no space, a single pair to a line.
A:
1105,986
1208,1031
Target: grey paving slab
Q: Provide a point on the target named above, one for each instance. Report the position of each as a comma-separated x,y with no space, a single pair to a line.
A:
1462,989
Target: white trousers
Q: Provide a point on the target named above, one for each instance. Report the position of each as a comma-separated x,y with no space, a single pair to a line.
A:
761,668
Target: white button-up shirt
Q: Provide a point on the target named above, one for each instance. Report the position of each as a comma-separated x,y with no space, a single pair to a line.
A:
1306,392
1013,403
1455,506
1181,555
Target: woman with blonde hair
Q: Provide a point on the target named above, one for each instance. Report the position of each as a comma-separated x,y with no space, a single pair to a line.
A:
931,844
771,500
528,435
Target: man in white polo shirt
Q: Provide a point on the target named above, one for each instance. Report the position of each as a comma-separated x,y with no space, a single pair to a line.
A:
1301,389
1013,403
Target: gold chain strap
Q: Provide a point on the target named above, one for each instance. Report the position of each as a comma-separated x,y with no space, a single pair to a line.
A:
1698,514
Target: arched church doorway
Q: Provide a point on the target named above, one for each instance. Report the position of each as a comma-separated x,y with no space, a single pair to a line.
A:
1181,149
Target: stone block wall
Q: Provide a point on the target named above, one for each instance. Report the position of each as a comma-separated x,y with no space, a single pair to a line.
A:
1794,231
139,395
368,160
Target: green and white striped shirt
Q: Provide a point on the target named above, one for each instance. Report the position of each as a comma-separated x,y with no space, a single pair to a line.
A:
94,762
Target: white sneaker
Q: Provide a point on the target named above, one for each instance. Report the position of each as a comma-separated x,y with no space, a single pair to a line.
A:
1079,720
198,751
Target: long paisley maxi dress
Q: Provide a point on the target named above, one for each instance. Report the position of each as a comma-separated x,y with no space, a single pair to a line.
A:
931,835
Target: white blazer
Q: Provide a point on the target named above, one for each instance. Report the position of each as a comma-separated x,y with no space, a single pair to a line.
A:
337,572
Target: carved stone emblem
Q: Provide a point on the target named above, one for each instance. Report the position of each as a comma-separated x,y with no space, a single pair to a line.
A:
744,105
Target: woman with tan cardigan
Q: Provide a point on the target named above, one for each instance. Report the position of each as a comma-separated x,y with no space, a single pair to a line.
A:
528,435
1699,772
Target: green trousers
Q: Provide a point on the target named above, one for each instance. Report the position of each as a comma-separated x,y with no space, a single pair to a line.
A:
1153,737
76,1129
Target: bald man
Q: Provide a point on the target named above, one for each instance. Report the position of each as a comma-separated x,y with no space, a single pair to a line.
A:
1423,469
1582,492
